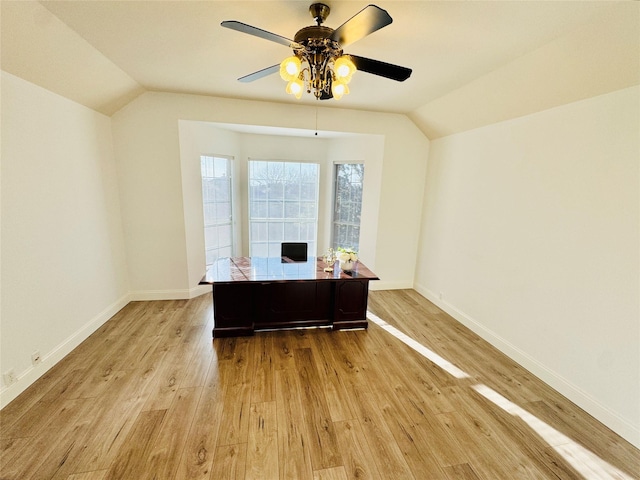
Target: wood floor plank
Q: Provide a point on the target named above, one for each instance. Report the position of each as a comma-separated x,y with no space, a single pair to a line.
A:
262,385
355,451
324,449
35,419
107,424
357,343
10,447
131,461
293,438
335,392
283,346
137,350
462,471
95,475
96,378
514,429
444,448
229,462
592,436
235,377
199,311
16,409
349,361
117,324
386,453
225,348
285,343
196,462
468,440
262,447
476,436
196,373
335,473
171,375
116,352
410,395
49,454
167,448
410,437
431,375
157,320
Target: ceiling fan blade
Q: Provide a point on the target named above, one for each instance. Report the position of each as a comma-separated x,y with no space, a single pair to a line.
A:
363,23
258,32
383,69
259,74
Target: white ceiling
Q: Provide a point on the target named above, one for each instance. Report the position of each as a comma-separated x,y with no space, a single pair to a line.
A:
474,62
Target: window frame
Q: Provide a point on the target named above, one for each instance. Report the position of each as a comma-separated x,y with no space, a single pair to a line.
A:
335,207
231,246
285,220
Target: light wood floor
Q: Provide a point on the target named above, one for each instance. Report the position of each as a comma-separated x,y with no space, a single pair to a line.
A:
148,396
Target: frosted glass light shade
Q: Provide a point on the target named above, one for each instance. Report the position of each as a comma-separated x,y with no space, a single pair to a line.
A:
338,89
344,69
290,68
295,88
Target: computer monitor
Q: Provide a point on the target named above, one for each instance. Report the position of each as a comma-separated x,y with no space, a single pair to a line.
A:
296,251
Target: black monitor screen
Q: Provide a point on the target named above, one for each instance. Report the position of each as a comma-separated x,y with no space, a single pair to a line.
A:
295,251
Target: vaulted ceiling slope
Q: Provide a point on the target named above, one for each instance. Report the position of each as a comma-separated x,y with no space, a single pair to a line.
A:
474,62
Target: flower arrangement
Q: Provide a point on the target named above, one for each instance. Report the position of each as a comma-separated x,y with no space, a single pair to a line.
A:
347,257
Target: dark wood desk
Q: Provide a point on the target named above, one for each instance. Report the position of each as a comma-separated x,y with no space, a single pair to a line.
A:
252,294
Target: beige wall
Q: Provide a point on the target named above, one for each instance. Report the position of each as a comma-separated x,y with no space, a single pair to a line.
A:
196,139
530,236
62,248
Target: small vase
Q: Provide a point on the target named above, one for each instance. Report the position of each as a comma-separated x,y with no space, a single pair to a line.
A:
347,266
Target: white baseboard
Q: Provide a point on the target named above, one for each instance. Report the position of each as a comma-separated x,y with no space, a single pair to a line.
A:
28,377
611,419
382,285
199,290
180,294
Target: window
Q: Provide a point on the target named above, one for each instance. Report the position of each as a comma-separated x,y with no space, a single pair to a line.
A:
217,207
283,206
349,180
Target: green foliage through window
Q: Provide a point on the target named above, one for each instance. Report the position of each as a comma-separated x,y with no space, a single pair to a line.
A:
349,181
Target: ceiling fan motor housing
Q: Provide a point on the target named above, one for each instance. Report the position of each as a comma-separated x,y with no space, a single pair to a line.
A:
317,41
319,49
313,31
319,12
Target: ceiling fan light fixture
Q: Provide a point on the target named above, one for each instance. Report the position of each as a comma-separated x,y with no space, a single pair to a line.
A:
318,64
344,69
295,87
290,68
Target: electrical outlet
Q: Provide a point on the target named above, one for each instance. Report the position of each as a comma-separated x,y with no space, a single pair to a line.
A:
10,377
36,358
440,295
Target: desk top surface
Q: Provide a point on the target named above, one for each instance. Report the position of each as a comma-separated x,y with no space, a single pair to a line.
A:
263,269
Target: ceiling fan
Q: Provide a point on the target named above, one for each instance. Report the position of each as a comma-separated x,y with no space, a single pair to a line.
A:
318,63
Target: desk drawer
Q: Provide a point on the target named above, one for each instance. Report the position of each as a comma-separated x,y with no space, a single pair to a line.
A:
233,305
293,303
